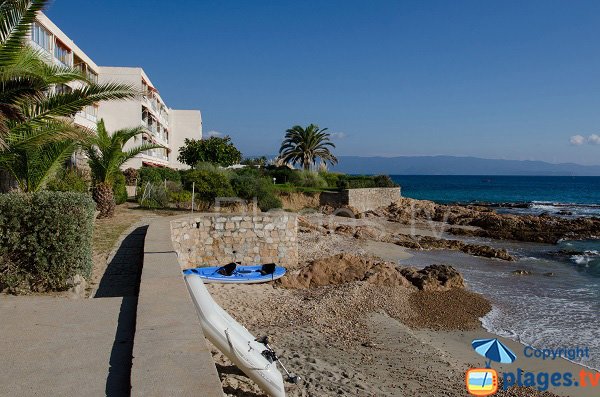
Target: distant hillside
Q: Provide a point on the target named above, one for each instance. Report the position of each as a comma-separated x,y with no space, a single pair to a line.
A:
449,165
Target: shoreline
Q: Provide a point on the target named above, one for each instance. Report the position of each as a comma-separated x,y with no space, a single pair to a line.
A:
363,339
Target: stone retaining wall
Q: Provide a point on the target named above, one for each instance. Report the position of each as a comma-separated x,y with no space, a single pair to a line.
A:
215,239
362,199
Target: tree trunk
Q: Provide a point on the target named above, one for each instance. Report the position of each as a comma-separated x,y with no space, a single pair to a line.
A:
105,200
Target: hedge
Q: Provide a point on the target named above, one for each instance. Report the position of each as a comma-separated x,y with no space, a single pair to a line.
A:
120,189
45,240
157,174
364,181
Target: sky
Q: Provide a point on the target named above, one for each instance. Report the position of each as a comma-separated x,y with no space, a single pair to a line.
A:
495,79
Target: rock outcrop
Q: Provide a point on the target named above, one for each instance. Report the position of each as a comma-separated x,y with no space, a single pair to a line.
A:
347,268
487,223
342,269
434,277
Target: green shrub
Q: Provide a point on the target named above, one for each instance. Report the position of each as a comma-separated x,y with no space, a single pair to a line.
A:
153,195
384,181
209,183
364,181
250,186
69,180
45,240
331,178
281,174
131,176
120,189
157,174
304,178
181,199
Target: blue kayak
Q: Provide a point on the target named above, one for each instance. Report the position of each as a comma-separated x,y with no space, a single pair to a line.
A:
234,273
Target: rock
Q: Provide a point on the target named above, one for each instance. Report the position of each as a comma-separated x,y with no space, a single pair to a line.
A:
342,269
521,272
427,242
434,277
78,285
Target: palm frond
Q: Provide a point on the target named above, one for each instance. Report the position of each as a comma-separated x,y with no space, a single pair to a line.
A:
16,17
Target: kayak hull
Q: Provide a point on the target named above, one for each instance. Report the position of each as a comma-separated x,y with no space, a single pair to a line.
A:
242,275
234,340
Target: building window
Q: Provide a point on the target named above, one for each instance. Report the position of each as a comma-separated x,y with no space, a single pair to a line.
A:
62,53
62,89
41,37
92,76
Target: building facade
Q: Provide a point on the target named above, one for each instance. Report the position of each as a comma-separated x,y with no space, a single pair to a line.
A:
167,127
162,125
58,49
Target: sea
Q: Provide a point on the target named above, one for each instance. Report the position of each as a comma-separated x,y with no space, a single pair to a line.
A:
558,305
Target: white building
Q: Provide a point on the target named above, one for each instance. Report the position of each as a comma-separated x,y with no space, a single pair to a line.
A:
164,126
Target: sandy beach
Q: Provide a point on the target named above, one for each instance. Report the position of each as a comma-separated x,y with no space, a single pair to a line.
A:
369,338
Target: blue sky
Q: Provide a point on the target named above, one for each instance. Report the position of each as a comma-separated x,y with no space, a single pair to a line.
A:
494,79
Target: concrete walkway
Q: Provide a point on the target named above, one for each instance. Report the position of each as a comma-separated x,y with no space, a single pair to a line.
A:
60,347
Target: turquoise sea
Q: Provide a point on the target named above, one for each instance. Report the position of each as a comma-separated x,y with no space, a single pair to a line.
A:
579,195
558,305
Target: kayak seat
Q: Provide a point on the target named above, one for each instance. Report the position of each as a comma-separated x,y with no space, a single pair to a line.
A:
228,269
267,268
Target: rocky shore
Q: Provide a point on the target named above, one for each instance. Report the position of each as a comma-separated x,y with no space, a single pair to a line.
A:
484,222
349,320
409,239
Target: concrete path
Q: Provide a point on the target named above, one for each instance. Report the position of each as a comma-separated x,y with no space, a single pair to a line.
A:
85,347
59,346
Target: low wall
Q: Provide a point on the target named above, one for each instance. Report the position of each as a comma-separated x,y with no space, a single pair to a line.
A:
362,199
215,239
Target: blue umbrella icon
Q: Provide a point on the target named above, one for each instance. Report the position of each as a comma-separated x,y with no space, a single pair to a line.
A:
493,350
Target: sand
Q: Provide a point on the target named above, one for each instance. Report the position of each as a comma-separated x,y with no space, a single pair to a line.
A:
365,339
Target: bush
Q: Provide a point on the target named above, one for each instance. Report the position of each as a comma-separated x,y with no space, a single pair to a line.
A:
308,179
249,187
131,176
120,189
153,195
157,174
281,174
364,181
69,180
45,240
331,178
384,181
181,199
209,183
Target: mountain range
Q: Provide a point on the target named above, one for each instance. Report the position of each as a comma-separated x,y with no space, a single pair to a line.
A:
451,165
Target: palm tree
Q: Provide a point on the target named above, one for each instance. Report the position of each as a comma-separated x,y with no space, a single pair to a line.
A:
106,156
36,129
306,145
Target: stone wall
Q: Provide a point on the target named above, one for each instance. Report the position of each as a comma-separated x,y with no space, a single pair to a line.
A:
215,239
362,199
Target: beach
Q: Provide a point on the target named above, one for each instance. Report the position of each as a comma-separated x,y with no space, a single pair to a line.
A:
377,337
